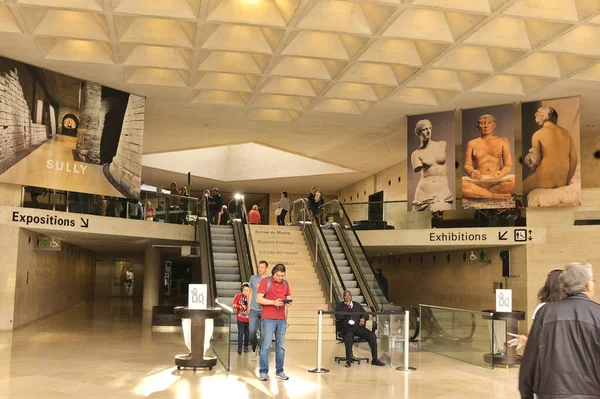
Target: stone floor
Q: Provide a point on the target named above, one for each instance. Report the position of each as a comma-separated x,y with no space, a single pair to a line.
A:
106,349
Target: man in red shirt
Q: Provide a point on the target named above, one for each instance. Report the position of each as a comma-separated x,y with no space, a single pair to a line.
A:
271,293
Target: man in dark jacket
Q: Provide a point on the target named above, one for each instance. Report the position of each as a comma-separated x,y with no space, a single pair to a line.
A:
215,203
561,359
351,325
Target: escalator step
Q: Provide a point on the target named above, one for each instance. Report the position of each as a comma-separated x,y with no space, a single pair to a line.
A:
228,277
345,277
227,270
334,244
223,243
337,250
345,270
340,256
228,285
350,284
216,227
226,263
219,249
222,237
328,232
342,263
227,292
225,256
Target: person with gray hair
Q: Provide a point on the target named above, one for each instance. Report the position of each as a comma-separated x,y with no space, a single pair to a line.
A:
561,359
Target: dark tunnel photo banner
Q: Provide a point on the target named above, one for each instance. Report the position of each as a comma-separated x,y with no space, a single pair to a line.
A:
488,175
430,146
551,153
62,133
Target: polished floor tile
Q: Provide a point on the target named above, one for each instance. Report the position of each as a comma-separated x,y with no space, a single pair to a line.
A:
105,350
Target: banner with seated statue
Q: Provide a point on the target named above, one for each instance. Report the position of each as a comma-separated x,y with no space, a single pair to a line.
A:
63,133
551,153
431,160
488,180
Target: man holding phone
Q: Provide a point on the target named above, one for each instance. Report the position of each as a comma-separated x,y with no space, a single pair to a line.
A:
272,292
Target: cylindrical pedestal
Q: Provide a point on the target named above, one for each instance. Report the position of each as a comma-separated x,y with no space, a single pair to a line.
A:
198,320
512,326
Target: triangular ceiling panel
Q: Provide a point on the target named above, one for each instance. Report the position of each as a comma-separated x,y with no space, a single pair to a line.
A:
182,9
558,10
392,51
157,57
302,68
577,41
78,51
288,86
243,12
542,31
420,24
466,5
276,101
436,79
337,106
223,81
466,58
537,64
502,32
216,97
226,61
336,16
370,73
87,5
238,162
154,31
352,91
501,84
158,77
414,96
238,38
72,25
592,73
8,23
303,44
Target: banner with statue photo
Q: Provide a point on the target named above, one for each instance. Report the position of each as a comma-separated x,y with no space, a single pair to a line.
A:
67,134
488,165
431,160
551,153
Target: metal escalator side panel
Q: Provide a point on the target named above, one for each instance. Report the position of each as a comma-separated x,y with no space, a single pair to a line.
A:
241,245
203,235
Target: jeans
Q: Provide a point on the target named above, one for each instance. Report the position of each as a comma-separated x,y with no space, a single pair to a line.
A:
281,217
254,324
242,335
268,328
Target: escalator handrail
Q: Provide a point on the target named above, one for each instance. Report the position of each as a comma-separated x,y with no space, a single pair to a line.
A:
306,208
355,236
367,291
211,261
240,249
437,325
251,265
244,217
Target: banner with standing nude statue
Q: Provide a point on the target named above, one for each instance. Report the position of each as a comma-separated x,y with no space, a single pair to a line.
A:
551,155
430,146
488,180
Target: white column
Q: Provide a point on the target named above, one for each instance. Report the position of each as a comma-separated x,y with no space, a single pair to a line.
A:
151,278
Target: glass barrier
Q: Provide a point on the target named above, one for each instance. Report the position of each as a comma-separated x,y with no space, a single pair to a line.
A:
459,334
152,206
221,339
390,332
395,215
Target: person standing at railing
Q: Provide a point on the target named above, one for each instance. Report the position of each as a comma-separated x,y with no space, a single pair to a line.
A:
283,207
254,215
215,203
272,291
255,308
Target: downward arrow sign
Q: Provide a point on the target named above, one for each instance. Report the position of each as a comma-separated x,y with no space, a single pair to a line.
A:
502,236
84,223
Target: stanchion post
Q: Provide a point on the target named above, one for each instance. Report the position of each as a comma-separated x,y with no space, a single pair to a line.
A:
319,369
406,367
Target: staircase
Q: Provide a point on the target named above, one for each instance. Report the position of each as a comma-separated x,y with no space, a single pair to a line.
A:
343,266
286,244
227,269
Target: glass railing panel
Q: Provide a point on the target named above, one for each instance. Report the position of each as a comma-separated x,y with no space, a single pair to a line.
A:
396,215
152,206
221,339
459,334
390,332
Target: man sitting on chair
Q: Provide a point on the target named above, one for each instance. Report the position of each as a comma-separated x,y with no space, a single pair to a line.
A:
354,325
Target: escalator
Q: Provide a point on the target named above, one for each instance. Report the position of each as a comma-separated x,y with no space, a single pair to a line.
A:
225,260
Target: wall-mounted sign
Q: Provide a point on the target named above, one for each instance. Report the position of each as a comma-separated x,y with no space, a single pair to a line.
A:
48,244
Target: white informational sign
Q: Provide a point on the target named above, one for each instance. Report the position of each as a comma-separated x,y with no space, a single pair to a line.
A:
197,296
503,300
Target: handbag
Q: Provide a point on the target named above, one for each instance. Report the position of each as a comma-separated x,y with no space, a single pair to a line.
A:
278,211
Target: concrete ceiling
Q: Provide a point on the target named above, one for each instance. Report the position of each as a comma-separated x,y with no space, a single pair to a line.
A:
329,80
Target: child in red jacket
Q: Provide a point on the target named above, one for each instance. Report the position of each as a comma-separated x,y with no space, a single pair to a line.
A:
240,302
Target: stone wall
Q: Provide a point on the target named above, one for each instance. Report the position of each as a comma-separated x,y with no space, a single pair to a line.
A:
126,167
17,131
49,282
89,132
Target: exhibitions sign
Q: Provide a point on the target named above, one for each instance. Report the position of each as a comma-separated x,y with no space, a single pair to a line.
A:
63,133
551,155
430,146
488,180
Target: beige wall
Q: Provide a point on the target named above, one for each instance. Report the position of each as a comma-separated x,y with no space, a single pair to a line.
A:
455,283
105,265
9,246
57,280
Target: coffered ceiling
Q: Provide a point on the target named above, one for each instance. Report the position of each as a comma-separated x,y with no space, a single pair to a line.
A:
331,80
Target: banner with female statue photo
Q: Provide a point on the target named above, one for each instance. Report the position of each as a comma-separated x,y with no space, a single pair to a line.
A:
551,154
431,159
488,180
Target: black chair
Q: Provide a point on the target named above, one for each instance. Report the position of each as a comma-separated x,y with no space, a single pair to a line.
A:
356,341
